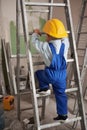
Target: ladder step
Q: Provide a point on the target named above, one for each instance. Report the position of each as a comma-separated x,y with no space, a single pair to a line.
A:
82,32
38,63
22,77
84,17
71,90
15,56
42,63
29,108
37,94
24,93
59,123
42,95
40,11
67,91
44,4
70,60
81,49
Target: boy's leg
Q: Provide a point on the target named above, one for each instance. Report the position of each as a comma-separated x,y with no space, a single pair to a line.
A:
42,79
61,98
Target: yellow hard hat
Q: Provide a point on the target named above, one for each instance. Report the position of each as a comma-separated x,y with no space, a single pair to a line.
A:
55,28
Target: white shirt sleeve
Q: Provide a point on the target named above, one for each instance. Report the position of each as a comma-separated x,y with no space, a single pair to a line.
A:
42,47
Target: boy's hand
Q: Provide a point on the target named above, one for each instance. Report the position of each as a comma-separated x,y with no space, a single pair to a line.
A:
37,31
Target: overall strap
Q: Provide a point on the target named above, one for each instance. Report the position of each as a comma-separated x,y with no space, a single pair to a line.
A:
52,48
61,52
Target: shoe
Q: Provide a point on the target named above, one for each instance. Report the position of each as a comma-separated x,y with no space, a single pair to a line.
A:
61,118
44,91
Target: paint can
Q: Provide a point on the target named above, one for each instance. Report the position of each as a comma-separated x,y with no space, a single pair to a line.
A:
8,102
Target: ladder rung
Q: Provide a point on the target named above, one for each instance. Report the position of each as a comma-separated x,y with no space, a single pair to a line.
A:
44,4
84,16
21,56
70,60
59,123
37,94
67,90
29,108
41,11
42,95
82,32
24,93
23,77
45,95
38,63
82,49
71,90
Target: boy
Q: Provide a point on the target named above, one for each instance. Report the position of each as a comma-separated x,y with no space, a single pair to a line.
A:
54,52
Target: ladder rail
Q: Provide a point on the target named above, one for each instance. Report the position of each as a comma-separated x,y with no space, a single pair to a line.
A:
83,6
83,73
78,40
50,10
18,58
76,71
30,65
84,67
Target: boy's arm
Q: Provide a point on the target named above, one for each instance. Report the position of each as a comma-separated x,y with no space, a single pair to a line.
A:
39,45
36,42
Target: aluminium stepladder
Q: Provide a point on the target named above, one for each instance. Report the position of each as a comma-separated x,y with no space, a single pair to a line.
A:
25,91
81,116
81,44
81,41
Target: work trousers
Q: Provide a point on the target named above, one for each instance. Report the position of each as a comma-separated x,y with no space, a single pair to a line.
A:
59,87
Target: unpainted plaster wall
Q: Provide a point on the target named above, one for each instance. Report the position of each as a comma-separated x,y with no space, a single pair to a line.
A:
8,13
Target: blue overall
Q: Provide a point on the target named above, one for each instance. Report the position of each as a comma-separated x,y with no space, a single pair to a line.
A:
55,74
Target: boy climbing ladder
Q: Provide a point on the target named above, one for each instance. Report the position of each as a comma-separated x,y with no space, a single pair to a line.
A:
54,52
